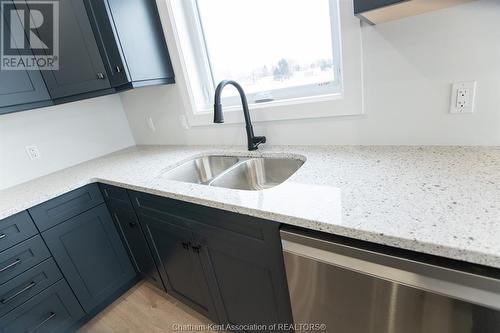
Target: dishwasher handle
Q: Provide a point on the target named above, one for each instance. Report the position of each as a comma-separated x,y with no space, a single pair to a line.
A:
472,288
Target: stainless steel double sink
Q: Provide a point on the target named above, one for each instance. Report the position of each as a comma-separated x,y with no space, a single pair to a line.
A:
235,172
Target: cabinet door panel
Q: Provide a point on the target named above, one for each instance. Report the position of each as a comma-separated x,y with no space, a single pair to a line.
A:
179,265
80,64
246,269
21,86
91,256
127,223
153,61
107,38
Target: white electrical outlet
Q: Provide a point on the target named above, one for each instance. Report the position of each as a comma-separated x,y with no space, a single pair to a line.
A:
463,95
33,152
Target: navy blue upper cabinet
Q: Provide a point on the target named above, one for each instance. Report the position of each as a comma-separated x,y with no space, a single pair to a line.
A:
130,37
21,89
105,46
380,11
81,69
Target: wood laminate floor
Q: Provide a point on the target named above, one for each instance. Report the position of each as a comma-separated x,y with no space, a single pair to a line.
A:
144,309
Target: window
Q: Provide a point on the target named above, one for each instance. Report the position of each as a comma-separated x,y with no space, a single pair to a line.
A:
287,54
276,49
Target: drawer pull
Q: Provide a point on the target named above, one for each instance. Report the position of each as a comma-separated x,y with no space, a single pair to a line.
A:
10,265
50,317
2,236
25,289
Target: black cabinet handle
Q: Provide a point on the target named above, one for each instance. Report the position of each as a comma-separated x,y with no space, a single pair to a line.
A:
50,317
132,224
118,69
2,236
18,261
25,289
196,249
101,76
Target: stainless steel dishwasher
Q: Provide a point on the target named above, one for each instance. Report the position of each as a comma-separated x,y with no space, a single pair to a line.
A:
349,289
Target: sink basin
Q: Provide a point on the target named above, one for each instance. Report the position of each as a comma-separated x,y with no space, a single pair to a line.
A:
240,173
258,173
201,170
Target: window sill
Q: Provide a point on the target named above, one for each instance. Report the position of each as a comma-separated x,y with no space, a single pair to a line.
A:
299,108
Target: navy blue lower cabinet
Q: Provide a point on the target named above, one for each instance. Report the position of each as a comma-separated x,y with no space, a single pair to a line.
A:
238,256
91,256
179,264
126,221
132,235
248,277
54,310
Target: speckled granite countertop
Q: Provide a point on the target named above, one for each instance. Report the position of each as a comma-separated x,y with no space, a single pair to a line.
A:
437,200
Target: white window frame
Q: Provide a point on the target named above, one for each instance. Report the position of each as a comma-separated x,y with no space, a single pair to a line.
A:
191,65
334,87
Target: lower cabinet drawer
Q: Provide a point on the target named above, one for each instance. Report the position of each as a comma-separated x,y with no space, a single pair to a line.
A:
15,229
21,257
53,310
21,288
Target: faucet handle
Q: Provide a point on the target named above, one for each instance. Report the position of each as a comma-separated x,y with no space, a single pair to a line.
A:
256,141
259,139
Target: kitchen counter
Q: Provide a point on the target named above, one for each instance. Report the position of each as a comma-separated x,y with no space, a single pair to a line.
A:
437,200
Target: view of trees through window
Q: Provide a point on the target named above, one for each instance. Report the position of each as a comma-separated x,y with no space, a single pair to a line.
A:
269,44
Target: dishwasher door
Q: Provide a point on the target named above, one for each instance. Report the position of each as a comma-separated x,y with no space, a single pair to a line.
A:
343,289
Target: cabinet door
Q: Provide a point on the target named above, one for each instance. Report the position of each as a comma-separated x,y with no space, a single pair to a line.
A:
21,86
179,265
81,69
143,42
248,276
107,41
132,234
91,256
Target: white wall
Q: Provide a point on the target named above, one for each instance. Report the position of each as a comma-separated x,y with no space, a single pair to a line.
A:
65,134
409,66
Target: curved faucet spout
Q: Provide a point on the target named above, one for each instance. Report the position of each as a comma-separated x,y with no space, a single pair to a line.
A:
253,141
